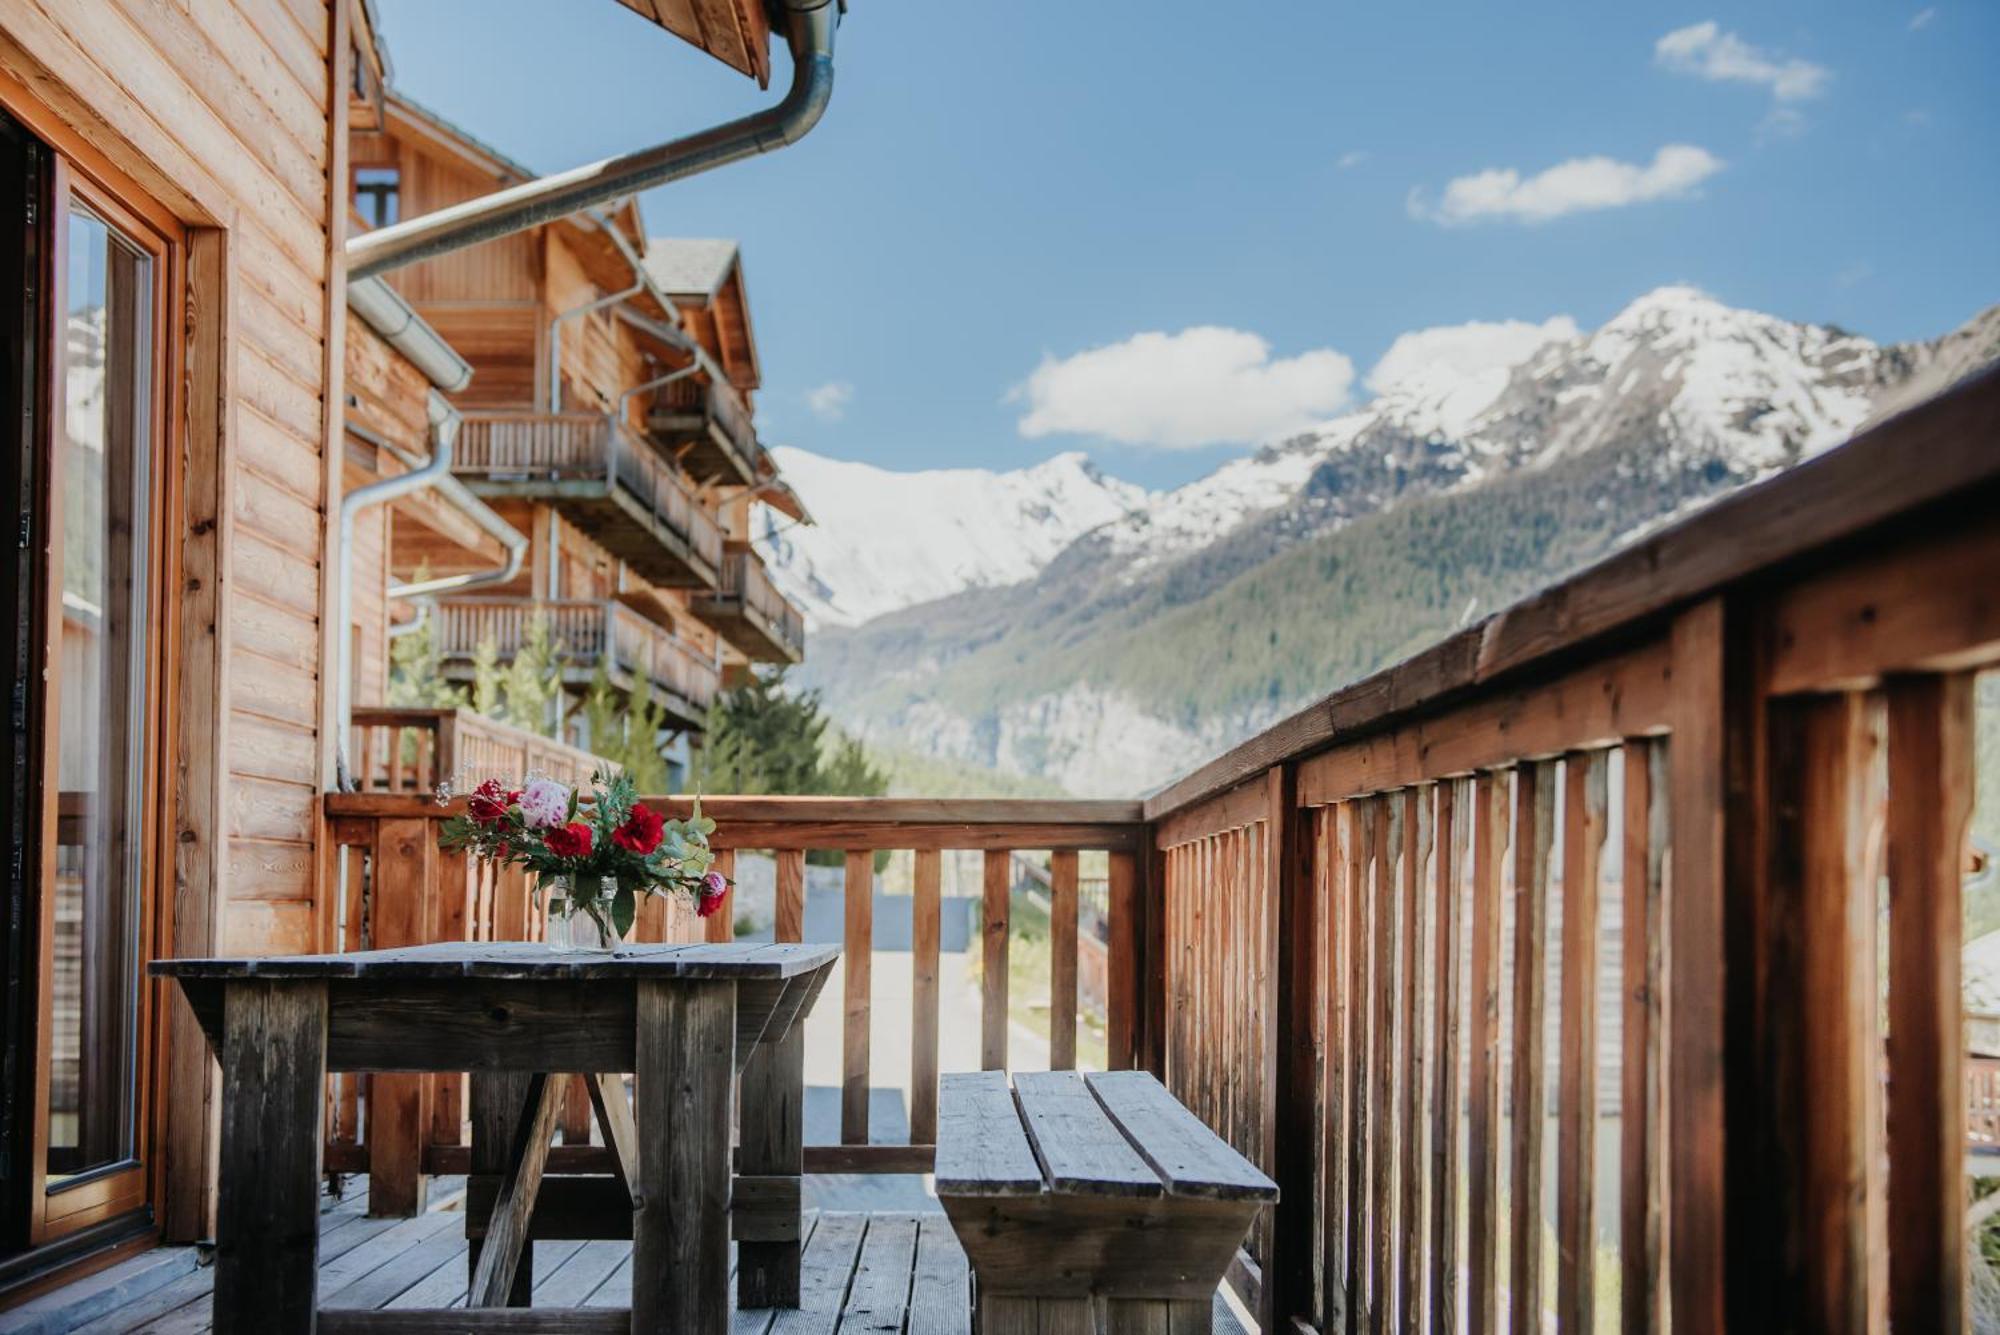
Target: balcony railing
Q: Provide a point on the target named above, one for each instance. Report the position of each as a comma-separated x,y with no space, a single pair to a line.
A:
714,424
1593,890
750,612
400,750
633,647
617,486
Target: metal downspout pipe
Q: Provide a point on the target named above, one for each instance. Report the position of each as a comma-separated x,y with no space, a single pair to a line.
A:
444,424
809,31
575,312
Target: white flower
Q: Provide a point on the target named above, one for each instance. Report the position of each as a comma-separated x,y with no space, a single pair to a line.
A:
544,803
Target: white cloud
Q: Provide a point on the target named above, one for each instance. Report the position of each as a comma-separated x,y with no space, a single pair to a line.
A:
1704,51
1463,351
1780,123
1352,158
829,401
1922,19
1202,386
1579,185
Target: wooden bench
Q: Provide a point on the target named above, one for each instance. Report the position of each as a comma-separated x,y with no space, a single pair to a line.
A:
1090,1203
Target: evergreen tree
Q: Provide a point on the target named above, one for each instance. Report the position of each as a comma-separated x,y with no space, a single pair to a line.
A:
762,738
533,679
416,680
486,677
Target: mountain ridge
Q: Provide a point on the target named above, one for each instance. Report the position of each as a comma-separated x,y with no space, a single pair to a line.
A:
1316,560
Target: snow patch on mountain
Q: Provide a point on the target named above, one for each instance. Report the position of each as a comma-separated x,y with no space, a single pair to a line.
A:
883,540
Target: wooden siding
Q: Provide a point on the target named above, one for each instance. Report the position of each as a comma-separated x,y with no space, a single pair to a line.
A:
226,100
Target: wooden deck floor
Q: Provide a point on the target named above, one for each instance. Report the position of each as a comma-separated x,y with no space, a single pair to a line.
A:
886,1274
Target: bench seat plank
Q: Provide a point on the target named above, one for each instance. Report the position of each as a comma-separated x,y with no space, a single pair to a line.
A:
1191,1159
982,1148
1081,1150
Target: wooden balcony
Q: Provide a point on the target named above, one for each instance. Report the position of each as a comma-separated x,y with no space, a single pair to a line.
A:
615,486
750,613
1611,858
397,750
1601,961
632,648
712,423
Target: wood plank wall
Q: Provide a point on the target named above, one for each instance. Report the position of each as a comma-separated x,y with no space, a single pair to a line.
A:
222,113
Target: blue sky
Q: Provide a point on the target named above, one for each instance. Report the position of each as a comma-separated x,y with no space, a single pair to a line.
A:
1000,187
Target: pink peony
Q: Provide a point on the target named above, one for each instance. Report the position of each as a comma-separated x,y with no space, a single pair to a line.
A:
544,803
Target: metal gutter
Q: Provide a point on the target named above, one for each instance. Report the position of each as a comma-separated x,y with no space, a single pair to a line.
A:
809,32
384,310
465,502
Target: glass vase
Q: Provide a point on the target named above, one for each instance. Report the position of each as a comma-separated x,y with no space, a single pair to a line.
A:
580,921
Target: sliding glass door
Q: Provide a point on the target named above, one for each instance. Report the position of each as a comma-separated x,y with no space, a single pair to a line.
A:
90,372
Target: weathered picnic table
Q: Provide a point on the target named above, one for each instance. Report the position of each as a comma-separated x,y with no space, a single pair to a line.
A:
683,1020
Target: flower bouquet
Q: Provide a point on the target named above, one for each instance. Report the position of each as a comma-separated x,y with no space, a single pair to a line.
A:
593,851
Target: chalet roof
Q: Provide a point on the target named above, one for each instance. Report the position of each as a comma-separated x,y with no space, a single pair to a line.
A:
735,32
467,144
690,267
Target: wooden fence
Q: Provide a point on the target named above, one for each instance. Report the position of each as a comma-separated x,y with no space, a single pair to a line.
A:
1678,839
1725,741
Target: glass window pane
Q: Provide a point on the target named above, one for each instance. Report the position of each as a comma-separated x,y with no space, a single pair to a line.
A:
105,480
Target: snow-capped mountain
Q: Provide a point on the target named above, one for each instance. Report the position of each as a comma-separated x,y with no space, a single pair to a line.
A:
1491,460
883,540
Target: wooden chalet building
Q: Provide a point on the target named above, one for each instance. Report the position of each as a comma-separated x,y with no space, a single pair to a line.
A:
196,372
607,422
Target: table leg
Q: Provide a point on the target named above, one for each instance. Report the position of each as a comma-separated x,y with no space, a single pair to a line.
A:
765,1217
267,1205
498,1101
680,1232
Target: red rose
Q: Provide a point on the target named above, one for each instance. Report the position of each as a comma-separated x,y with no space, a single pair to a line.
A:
486,810
490,801
641,831
569,841
710,902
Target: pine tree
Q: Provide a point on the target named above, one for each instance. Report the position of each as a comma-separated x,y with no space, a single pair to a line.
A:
533,679
762,738
486,677
416,680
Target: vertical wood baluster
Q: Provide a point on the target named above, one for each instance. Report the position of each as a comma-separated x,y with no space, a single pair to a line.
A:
1335,1213
1534,796
1363,814
1823,1051
1127,990
1931,777
1382,1062
1417,815
1642,1115
857,958
1584,803
993,983
1062,960
720,925
1482,1159
925,910
1446,1023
